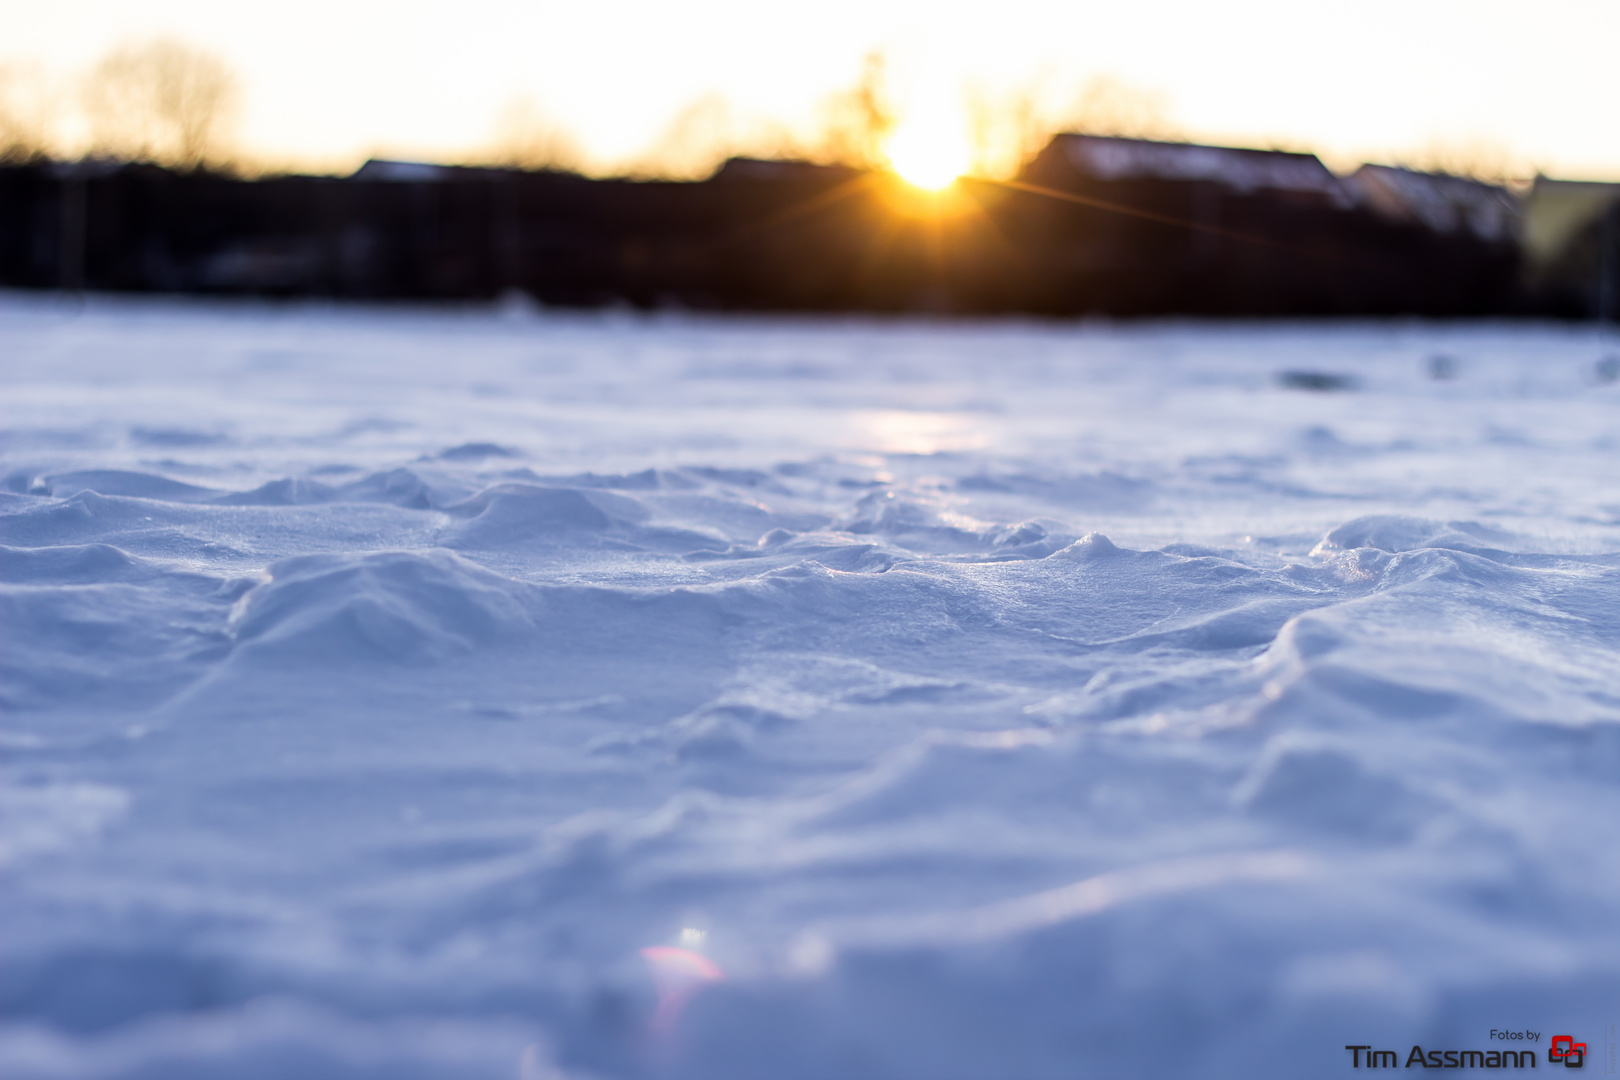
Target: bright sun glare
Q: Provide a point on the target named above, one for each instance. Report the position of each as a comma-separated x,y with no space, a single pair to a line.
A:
928,153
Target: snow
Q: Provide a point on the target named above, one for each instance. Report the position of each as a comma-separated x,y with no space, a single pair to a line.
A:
465,693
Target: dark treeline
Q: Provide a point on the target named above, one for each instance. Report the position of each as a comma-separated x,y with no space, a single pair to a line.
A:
1113,226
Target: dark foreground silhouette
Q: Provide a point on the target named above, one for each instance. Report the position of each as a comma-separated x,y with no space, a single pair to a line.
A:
1093,225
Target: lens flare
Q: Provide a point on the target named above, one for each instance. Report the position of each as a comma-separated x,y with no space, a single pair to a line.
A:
678,974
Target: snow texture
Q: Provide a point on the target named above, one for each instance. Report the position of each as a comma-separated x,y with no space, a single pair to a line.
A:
459,694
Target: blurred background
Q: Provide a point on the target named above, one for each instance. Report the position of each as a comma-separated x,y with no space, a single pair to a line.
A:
1488,127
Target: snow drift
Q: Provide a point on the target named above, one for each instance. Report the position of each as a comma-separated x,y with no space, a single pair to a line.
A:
452,695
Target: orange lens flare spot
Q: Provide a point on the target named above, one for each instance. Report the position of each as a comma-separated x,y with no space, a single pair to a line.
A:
679,974
667,961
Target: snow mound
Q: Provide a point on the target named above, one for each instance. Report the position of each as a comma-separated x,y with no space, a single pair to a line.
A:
1390,532
402,607
119,482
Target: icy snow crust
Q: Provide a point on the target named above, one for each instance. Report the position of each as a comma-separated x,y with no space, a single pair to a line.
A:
933,700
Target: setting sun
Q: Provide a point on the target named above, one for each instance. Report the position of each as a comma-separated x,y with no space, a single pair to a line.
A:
929,152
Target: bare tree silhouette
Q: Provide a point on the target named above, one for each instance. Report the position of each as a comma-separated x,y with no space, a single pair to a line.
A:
1010,129
527,138
1473,158
28,108
160,101
1107,106
1006,130
697,139
856,123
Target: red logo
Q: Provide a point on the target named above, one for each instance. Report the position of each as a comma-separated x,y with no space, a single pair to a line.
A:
1566,1049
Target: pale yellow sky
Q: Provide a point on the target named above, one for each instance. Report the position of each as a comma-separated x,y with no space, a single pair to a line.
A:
331,81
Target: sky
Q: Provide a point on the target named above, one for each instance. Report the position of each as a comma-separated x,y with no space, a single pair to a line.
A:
326,83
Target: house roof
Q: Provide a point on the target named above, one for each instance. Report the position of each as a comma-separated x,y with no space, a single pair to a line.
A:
1110,158
403,171
747,168
1443,203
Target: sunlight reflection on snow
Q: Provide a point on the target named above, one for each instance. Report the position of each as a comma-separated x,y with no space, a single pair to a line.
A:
897,431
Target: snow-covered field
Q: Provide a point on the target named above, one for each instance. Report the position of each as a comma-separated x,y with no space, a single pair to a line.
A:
398,693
